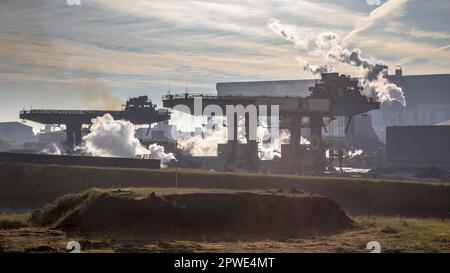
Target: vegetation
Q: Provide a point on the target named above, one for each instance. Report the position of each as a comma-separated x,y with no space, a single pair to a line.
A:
32,186
394,235
13,221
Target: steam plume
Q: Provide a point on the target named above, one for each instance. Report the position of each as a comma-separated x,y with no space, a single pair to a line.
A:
270,149
52,149
116,138
327,45
205,144
354,153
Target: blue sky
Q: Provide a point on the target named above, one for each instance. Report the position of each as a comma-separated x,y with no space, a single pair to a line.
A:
98,54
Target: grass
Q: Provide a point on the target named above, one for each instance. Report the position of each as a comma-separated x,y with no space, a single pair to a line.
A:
410,235
393,233
32,186
13,221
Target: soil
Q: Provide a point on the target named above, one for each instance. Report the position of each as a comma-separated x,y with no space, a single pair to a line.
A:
212,215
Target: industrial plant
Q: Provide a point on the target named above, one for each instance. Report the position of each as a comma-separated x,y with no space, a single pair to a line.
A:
199,126
328,126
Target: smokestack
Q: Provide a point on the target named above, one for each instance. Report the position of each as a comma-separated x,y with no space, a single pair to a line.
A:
398,71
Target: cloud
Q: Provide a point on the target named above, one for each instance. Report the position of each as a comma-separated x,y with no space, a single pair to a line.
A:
418,33
151,45
226,16
390,8
324,14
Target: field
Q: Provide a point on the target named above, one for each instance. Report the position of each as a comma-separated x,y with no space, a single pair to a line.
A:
393,234
401,216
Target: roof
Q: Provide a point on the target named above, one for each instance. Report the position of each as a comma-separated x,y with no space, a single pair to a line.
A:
13,123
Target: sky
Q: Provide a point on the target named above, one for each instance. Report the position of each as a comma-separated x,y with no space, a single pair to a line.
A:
97,54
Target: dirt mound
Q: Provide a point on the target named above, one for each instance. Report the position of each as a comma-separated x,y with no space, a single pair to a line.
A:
191,214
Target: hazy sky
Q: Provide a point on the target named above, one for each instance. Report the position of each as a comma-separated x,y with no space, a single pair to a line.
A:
95,55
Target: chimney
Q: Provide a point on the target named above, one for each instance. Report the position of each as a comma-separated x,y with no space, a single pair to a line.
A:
398,71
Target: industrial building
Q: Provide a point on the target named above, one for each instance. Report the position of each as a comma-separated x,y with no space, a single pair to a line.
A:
427,98
427,103
330,97
331,112
71,160
418,146
16,132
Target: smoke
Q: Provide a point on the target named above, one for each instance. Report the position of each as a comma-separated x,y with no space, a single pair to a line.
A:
388,8
95,91
116,138
314,69
270,149
101,98
157,152
327,45
52,149
205,144
350,154
353,153
383,89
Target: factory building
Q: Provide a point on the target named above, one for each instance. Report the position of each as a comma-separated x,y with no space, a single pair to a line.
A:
427,98
419,146
16,132
427,103
163,127
327,99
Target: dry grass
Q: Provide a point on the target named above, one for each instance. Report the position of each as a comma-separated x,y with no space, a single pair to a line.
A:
13,221
393,234
33,186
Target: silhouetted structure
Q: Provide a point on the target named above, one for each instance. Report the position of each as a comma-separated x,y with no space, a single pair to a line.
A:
138,110
333,95
70,160
418,146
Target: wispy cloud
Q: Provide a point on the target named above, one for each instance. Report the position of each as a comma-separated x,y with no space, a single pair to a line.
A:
390,8
148,46
418,33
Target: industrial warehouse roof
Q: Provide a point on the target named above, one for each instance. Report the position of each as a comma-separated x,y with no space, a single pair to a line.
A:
13,123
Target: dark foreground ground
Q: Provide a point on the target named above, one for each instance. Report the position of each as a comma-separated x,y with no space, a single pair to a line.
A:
50,228
393,234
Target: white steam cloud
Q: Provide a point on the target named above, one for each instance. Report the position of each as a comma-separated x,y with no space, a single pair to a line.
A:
270,149
116,138
205,144
157,152
52,149
327,45
354,153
